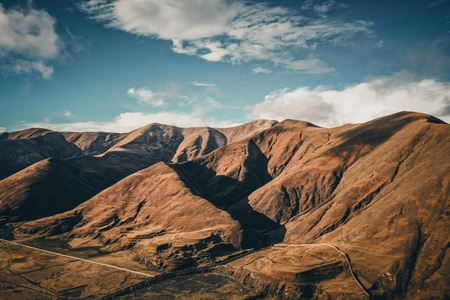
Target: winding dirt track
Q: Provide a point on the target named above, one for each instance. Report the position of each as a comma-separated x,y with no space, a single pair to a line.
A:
350,267
341,252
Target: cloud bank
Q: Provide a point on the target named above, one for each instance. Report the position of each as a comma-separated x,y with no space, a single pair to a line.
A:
28,41
230,31
128,121
322,106
358,103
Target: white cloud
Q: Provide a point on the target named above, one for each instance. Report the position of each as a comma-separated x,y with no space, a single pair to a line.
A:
67,113
358,103
146,96
260,69
129,121
214,103
229,31
2,129
25,66
29,32
170,19
310,65
27,40
204,84
209,88
173,96
438,2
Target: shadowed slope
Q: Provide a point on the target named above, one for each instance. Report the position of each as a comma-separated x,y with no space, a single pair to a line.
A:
226,177
198,142
55,185
93,143
23,149
155,216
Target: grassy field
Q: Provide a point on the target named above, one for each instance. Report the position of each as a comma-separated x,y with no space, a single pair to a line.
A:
28,273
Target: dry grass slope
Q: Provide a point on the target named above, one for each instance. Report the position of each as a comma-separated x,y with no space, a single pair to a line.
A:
322,212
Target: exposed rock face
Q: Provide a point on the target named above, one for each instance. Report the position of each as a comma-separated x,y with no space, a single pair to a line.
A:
198,142
350,211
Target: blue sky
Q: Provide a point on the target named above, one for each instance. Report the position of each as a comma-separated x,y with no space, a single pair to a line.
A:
115,65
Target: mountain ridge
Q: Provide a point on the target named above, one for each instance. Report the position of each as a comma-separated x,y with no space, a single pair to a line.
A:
94,153
377,191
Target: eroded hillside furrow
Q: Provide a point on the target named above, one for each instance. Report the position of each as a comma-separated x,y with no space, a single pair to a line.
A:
368,193
225,179
133,217
296,193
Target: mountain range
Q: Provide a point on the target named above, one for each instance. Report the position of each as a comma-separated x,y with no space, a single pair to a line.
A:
288,208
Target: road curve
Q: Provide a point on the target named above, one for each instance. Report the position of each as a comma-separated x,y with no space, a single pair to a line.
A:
341,252
350,268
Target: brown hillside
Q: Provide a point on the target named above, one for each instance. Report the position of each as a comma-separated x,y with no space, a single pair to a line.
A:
378,191
153,213
350,211
93,143
237,133
55,185
197,142
72,167
27,147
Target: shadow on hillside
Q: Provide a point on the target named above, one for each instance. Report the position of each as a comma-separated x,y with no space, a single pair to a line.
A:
57,185
378,131
231,195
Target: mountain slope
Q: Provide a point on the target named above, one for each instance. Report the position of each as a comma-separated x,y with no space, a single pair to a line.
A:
380,188
356,210
58,171
396,209
153,213
19,150
54,185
